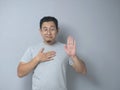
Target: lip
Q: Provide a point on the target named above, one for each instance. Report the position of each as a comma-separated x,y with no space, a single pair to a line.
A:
48,36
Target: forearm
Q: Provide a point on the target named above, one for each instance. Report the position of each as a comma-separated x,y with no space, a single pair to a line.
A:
26,68
79,65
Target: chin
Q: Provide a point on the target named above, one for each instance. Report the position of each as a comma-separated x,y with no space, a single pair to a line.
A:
49,41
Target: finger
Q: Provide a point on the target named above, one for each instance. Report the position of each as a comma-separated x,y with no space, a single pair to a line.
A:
41,51
51,53
66,49
71,40
68,40
74,42
74,45
49,57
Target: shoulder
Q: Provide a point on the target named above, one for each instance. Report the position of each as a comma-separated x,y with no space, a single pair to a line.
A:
37,46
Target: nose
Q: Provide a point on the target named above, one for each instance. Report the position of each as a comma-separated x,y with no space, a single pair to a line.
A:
48,32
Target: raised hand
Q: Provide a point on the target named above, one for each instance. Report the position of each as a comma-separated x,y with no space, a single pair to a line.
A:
70,47
42,57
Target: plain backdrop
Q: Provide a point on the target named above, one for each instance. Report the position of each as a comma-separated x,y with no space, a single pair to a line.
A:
95,25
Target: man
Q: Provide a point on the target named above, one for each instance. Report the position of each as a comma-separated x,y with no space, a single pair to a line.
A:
50,58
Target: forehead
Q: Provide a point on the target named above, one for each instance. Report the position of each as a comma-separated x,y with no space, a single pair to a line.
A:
48,24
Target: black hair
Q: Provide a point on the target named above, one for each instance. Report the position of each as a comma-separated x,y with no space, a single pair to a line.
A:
47,19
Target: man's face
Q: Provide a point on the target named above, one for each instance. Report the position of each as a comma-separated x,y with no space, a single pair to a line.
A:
49,32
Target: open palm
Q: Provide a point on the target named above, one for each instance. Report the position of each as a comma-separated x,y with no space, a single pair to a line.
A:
70,47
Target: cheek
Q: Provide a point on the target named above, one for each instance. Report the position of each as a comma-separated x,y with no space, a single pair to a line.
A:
43,34
55,34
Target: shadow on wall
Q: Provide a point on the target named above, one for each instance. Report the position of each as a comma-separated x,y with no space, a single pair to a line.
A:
77,81
63,34
74,80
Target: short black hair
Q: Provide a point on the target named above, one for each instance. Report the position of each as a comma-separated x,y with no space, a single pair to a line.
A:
47,19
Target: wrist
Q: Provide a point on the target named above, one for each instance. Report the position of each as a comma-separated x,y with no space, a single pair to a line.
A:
37,59
73,56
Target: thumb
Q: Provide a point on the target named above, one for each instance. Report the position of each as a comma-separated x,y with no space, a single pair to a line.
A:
41,51
65,47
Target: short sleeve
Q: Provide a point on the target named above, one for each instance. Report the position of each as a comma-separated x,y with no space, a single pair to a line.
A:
70,61
27,55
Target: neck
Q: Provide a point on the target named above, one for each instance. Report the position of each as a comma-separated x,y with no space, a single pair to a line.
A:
49,42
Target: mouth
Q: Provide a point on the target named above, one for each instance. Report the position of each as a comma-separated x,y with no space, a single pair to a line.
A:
49,41
48,36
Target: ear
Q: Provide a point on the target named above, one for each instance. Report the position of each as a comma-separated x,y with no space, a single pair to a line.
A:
58,30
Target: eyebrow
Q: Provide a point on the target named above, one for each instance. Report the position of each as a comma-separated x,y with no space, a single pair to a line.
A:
50,27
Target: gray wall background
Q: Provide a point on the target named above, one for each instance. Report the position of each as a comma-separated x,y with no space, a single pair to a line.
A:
95,24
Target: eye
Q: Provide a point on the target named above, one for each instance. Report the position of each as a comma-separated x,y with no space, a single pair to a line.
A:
52,29
44,29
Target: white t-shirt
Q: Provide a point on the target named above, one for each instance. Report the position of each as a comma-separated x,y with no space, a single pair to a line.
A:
49,75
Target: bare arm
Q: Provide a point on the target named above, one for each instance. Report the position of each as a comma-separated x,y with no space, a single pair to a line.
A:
25,68
79,65
70,49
